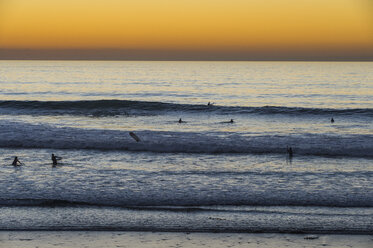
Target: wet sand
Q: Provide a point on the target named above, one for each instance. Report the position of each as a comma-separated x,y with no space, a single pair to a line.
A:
41,239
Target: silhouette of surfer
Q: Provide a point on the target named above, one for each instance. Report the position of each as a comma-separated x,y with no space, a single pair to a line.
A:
55,159
134,136
181,121
290,151
210,103
332,120
231,121
16,162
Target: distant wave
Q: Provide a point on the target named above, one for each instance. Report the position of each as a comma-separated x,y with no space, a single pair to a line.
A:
167,202
250,219
138,108
21,135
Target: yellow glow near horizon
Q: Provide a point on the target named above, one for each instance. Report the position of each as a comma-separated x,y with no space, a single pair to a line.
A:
185,24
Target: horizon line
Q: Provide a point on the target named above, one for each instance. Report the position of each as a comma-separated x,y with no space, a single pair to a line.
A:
192,60
357,54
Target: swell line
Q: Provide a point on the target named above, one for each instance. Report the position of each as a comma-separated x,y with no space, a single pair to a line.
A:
127,108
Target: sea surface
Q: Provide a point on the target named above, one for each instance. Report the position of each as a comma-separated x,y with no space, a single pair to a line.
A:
203,174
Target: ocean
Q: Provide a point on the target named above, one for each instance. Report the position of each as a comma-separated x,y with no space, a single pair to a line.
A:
205,174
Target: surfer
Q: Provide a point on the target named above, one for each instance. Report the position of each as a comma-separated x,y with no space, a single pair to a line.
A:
210,103
231,121
290,151
181,121
134,136
55,159
16,162
332,120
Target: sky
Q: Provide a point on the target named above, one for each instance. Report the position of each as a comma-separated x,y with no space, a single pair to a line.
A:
187,29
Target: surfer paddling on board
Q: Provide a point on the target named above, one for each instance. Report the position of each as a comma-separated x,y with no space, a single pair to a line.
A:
231,121
16,162
55,159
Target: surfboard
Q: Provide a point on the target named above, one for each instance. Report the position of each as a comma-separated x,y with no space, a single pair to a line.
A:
134,136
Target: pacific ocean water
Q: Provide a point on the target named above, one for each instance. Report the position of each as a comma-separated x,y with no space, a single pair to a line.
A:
203,174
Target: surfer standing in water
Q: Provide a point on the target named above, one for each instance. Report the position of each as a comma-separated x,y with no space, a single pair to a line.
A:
290,151
16,162
55,159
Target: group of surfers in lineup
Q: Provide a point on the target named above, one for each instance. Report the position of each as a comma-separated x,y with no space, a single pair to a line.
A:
54,158
16,162
289,150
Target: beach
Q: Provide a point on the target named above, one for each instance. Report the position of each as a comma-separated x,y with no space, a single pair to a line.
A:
166,239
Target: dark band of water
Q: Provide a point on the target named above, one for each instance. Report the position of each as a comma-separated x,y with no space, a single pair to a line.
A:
125,107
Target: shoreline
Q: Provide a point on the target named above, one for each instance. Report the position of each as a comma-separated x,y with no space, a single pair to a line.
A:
40,239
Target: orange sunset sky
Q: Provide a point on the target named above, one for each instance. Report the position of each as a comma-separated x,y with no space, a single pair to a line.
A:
187,29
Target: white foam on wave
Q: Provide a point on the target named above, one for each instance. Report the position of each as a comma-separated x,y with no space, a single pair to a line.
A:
23,135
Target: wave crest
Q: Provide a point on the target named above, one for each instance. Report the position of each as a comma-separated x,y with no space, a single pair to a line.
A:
21,135
126,107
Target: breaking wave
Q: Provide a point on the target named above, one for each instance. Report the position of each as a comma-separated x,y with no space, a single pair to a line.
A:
22,135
